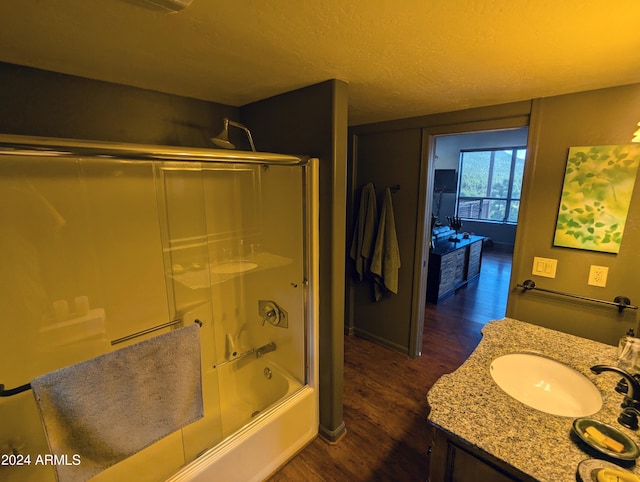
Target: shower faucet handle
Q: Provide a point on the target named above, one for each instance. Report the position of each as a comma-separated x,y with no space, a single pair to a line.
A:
271,312
271,316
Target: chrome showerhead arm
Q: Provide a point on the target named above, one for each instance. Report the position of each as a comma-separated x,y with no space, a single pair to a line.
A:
222,139
246,129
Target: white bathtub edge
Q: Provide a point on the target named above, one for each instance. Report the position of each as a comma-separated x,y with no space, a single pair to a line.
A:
257,451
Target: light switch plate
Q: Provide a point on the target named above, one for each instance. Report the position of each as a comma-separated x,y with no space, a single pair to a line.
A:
544,267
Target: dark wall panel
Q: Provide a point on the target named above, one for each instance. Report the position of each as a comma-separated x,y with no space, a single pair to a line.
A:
41,103
388,159
313,121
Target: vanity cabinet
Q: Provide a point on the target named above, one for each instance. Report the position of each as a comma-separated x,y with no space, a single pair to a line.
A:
478,432
452,265
453,460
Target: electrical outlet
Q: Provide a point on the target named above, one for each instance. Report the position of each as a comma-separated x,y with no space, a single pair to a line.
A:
598,276
544,267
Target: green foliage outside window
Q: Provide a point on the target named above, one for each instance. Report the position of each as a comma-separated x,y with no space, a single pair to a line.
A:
490,184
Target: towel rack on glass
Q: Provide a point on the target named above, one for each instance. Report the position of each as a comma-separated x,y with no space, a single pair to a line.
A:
27,386
149,330
621,302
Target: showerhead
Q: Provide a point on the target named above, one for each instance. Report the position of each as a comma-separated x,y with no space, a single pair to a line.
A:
224,143
222,139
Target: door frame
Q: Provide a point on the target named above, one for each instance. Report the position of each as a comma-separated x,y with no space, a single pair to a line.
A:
425,196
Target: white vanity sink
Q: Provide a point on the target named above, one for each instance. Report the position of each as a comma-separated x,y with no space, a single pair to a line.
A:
232,267
546,385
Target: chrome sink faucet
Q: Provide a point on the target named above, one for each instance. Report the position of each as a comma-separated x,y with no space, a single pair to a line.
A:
632,398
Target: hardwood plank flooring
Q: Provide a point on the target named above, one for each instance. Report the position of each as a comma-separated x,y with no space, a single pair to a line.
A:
484,299
385,405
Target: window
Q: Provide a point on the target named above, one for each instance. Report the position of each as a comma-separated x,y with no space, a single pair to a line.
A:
490,184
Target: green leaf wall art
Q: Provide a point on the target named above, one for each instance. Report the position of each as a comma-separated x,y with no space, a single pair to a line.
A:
598,184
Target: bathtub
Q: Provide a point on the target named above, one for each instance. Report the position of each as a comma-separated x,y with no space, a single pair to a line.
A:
261,420
251,386
266,442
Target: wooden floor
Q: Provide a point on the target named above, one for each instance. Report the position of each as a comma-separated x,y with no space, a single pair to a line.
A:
385,406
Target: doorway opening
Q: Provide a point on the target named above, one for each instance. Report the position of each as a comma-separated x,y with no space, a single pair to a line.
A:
475,199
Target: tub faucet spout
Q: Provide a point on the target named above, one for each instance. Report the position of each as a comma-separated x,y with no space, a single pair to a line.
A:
266,349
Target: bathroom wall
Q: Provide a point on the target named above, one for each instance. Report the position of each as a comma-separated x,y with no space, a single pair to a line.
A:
42,103
397,152
600,117
388,159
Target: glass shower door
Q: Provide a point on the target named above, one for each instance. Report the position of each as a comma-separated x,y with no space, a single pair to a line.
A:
234,242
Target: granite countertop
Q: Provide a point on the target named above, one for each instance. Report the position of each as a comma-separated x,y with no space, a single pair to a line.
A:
468,404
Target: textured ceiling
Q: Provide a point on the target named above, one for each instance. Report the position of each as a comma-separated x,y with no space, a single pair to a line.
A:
400,59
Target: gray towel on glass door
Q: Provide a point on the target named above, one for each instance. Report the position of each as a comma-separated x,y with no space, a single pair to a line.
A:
111,407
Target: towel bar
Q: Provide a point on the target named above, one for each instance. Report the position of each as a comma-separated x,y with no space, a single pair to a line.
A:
241,355
13,391
621,302
147,331
27,386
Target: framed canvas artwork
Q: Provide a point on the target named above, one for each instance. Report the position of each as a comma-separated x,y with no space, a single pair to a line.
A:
597,190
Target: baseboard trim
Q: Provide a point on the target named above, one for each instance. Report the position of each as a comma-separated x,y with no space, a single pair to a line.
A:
332,437
381,341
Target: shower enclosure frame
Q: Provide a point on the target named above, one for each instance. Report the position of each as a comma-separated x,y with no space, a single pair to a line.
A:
294,421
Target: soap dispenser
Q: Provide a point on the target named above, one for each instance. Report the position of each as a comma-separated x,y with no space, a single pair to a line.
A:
629,352
628,359
623,341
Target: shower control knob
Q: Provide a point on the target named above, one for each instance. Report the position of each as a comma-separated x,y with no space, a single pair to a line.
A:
274,314
271,316
269,312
